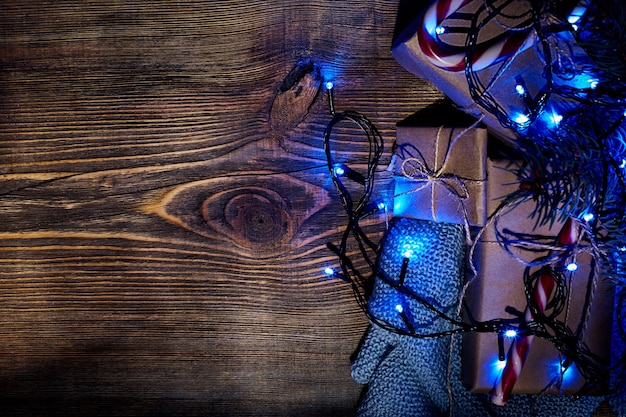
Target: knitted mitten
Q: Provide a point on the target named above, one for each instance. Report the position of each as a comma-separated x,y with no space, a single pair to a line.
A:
407,375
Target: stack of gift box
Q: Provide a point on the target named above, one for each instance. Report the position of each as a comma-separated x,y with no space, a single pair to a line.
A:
444,174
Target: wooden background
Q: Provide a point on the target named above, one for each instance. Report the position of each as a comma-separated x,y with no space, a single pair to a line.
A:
165,202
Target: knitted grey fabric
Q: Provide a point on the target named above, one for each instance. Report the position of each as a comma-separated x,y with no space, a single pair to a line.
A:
408,376
436,259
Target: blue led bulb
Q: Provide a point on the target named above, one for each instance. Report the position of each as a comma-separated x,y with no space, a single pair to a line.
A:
510,333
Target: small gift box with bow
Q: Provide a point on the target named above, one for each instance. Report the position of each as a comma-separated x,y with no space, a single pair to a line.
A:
440,174
519,77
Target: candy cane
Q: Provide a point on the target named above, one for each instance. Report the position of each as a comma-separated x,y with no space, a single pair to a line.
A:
519,348
452,58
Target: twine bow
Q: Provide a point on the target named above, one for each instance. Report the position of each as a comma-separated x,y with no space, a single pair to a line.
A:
417,170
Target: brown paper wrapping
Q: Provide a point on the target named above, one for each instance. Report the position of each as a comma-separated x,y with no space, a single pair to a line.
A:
500,284
466,160
407,52
526,67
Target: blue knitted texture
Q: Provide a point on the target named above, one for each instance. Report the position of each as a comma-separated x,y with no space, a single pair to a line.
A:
408,376
432,250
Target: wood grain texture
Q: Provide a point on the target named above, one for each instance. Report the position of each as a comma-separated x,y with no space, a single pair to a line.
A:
165,202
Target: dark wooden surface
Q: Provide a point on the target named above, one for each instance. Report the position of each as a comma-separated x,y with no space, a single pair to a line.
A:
165,204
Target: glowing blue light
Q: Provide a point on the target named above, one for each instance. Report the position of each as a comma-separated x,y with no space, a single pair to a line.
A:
329,271
576,15
521,119
573,19
584,80
381,206
329,85
495,367
520,89
622,249
399,308
430,27
440,30
510,333
339,171
572,267
413,249
568,372
588,217
623,164
555,119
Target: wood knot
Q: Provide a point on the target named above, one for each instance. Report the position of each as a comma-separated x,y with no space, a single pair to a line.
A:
261,213
294,98
253,215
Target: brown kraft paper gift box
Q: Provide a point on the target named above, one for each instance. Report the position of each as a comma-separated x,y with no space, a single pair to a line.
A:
526,68
466,160
499,284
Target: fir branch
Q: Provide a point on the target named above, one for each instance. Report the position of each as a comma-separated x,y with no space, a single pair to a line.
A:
602,34
576,170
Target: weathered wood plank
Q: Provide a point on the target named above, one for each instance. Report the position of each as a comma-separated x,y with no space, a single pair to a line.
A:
163,230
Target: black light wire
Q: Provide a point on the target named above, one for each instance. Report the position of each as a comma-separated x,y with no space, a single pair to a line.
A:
544,325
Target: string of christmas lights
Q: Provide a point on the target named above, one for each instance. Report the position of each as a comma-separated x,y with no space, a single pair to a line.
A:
574,160
570,116
545,323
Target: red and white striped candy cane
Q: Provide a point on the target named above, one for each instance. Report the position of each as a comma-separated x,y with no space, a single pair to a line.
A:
519,348
452,58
